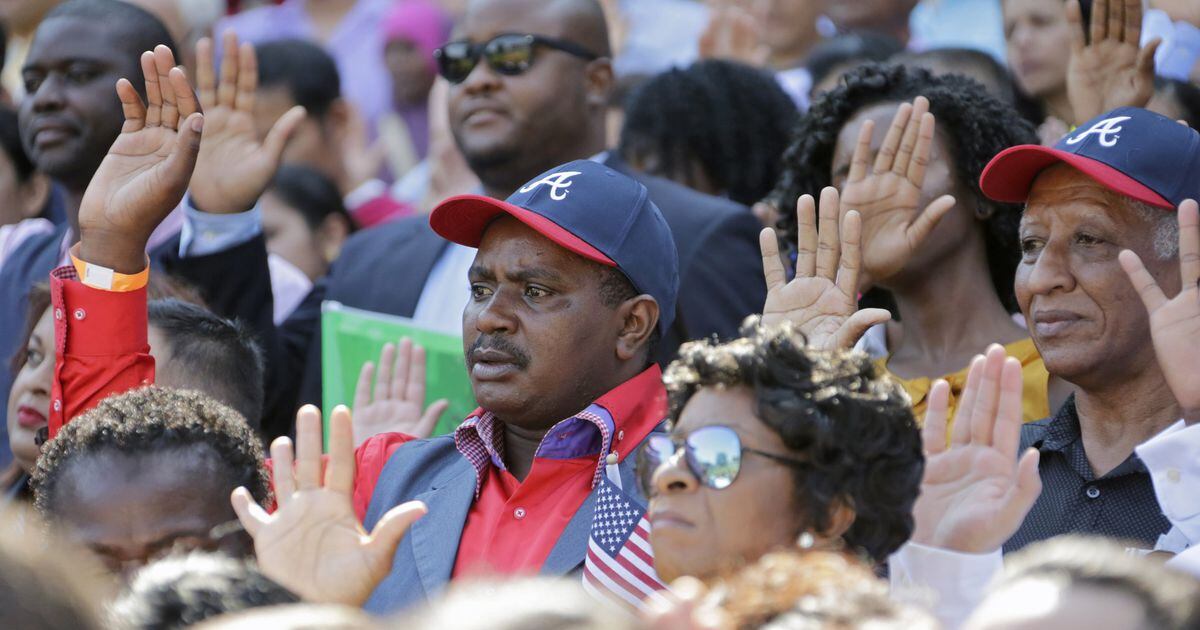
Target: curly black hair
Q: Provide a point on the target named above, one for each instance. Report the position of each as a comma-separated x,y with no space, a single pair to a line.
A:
151,420
733,118
854,427
976,125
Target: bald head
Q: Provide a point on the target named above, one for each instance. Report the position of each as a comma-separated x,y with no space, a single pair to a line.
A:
580,21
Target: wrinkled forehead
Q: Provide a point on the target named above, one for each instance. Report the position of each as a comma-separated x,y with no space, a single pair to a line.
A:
1062,192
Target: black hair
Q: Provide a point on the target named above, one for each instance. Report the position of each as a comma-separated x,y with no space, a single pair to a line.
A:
150,421
853,427
969,62
211,354
305,69
313,195
615,288
732,118
1185,95
181,591
975,125
835,54
142,29
10,140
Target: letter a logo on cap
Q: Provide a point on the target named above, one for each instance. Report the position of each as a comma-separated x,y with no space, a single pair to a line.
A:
1107,130
558,183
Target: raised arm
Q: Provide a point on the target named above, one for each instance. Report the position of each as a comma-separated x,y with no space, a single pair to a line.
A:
1111,70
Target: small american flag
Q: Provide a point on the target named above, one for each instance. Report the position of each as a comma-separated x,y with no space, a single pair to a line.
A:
620,564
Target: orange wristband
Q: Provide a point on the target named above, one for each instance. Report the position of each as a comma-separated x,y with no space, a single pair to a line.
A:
106,279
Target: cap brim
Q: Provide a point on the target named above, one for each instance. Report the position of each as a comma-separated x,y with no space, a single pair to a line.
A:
1009,177
464,219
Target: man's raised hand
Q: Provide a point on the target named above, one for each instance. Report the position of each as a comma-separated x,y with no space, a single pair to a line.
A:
398,403
1112,70
975,493
313,544
234,167
822,300
1175,322
887,194
147,169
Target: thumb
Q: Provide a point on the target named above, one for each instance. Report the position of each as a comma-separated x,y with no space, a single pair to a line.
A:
928,219
1025,492
182,160
858,324
390,529
281,132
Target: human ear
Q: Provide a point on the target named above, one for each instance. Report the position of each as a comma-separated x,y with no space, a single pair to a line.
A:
841,517
600,80
331,235
638,318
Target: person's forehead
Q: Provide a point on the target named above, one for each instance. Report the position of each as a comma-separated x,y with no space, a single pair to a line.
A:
66,38
487,18
1062,192
511,245
171,484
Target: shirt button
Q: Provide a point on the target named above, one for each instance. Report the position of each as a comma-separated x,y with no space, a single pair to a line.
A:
80,314
1093,492
58,405
1173,475
620,435
58,313
519,513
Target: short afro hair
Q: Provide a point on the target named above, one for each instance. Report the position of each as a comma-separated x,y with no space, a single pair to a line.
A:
854,427
142,28
976,126
147,421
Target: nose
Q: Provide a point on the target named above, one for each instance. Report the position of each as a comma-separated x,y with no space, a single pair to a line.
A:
49,95
43,377
482,79
1049,273
674,477
495,316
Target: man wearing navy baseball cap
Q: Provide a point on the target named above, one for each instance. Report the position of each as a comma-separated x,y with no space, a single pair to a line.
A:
575,278
1113,184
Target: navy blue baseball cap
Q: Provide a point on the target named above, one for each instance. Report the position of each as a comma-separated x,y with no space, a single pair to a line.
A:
1131,151
590,210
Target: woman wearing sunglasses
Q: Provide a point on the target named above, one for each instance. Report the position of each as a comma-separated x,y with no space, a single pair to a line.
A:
773,446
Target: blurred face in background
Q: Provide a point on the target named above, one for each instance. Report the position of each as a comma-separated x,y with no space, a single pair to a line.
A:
1039,45
289,235
789,27
29,399
412,74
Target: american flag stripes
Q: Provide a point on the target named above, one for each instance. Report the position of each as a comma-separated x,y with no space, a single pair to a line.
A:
620,564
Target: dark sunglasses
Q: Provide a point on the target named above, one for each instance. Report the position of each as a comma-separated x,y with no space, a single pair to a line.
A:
510,54
713,454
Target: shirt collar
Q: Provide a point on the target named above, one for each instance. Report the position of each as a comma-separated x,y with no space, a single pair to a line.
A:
623,416
1063,436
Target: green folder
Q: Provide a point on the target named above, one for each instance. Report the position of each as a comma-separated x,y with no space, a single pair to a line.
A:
350,337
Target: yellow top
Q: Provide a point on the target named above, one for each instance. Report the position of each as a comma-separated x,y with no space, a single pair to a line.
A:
1036,400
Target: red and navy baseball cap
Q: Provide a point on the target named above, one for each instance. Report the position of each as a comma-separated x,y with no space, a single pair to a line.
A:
590,210
1131,151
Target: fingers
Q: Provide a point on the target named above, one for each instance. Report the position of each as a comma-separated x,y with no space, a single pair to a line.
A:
153,91
387,362
164,61
402,371
1132,26
247,78
339,473
414,389
132,106
185,98
922,152
806,238
281,131
923,226
773,271
308,448
861,160
1099,23
1075,26
206,80
182,160
891,142
908,143
393,526
961,433
1145,59
1116,19
851,259
858,324
987,406
283,472
1024,493
248,511
227,82
1189,244
362,389
828,241
1006,435
428,422
937,414
1144,283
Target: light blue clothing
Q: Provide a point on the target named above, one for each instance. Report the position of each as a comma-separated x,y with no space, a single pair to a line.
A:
662,34
976,24
204,233
1180,49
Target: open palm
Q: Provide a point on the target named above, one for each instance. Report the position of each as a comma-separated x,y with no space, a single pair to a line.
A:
888,195
398,403
234,167
822,300
975,494
148,167
313,544
1112,71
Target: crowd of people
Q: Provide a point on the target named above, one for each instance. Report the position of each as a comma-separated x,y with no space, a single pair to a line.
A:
775,313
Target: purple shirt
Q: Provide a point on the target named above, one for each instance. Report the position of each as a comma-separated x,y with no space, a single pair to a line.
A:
356,45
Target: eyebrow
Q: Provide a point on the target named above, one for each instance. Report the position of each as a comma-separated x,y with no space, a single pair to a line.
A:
520,275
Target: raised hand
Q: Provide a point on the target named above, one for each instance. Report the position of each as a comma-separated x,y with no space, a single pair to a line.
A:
975,493
1175,322
234,167
822,300
888,194
147,169
398,405
1111,71
313,544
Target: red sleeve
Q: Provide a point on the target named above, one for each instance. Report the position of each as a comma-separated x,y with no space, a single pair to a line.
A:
381,209
370,458
100,345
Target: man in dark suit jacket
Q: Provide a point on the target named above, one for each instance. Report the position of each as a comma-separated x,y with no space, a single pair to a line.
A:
512,127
